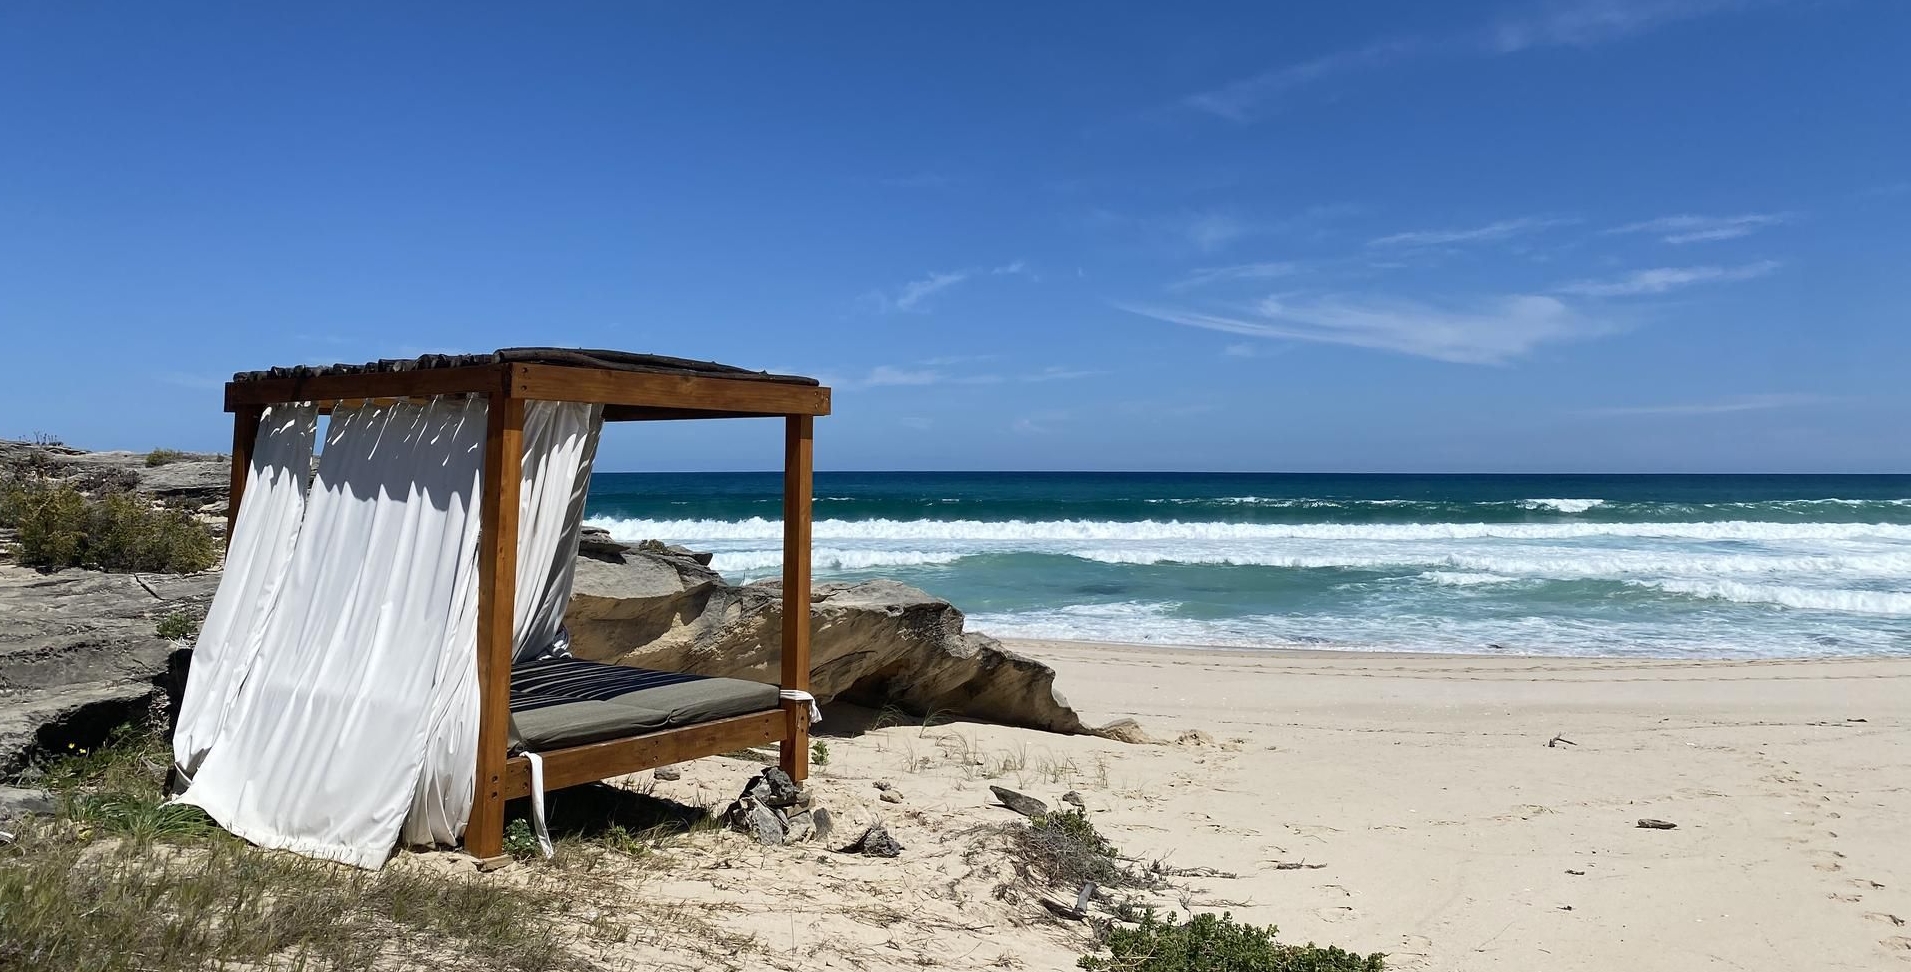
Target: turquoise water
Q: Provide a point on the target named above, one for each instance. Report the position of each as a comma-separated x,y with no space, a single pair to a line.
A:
1662,566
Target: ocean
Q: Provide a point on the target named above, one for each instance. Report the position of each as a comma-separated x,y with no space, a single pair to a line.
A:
1736,566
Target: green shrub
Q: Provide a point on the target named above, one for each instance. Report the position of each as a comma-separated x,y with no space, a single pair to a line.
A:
1208,943
161,457
61,527
819,753
177,626
1063,848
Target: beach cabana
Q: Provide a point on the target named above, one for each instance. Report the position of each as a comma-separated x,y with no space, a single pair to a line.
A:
383,662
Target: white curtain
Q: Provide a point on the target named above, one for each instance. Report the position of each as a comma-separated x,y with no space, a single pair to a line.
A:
332,707
560,442
365,674
560,445
263,537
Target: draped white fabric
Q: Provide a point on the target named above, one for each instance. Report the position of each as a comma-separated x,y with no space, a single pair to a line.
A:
332,707
263,537
368,657
560,444
560,441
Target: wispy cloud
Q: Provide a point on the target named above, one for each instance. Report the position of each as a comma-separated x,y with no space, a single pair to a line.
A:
1504,229
1558,23
1242,100
1494,331
1240,271
1208,232
1661,279
1584,23
1742,403
1704,229
913,297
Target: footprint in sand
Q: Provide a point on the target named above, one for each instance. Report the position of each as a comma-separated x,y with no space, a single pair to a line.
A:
1337,913
1892,920
1867,885
1898,944
1846,898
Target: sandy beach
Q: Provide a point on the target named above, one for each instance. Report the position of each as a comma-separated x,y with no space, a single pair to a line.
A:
1449,834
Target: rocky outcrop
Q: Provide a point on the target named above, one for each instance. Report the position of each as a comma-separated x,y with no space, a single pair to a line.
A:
78,655
876,643
195,481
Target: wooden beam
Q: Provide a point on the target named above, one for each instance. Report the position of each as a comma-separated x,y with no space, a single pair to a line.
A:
422,382
497,597
643,413
799,462
245,432
612,758
569,384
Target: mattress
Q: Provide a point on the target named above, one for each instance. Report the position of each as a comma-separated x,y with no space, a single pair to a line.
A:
566,702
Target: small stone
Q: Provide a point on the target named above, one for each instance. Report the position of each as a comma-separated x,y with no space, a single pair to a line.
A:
799,827
1075,798
885,785
1021,803
1194,737
1648,823
668,774
17,802
823,822
488,864
891,796
875,842
762,823
782,791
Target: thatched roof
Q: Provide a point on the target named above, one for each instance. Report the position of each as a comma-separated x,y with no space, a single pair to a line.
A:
575,357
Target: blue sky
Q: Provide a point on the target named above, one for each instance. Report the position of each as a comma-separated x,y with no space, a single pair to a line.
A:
1532,235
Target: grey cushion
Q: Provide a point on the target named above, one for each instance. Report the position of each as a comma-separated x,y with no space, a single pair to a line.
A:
566,702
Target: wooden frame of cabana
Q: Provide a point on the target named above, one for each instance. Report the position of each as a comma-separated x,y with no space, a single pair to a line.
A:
656,393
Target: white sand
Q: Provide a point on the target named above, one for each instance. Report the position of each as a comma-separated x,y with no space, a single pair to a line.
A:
1448,829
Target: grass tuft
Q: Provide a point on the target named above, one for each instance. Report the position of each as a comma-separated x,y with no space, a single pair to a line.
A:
166,457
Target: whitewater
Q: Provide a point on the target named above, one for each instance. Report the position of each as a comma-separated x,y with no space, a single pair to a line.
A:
1655,566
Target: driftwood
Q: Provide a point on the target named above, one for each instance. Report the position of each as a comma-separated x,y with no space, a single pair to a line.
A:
1296,866
1556,740
1647,823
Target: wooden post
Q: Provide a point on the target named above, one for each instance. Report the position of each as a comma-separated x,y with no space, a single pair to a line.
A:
497,598
245,431
799,459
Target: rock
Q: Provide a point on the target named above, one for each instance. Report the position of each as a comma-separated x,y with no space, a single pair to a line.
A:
1194,737
1021,803
17,802
596,543
1128,731
885,785
799,827
1651,824
668,774
891,796
780,790
824,823
79,656
875,842
1074,799
759,821
877,643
